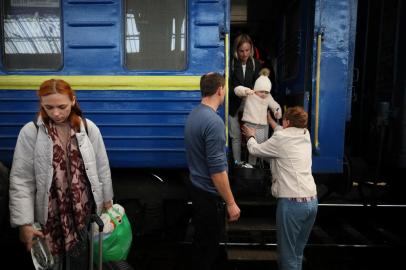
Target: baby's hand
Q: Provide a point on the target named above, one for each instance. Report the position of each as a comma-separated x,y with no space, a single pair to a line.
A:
278,115
249,92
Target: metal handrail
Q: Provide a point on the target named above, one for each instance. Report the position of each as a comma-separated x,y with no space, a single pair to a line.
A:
317,98
226,75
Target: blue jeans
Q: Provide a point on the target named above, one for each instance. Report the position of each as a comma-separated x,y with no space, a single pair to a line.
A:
294,222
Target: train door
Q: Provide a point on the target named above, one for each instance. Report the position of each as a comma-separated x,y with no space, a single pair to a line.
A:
315,63
309,45
332,74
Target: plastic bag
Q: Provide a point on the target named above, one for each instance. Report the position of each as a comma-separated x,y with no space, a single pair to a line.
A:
41,256
109,224
117,243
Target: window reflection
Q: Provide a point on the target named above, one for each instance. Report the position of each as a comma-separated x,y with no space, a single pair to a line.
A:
133,35
180,36
32,35
156,34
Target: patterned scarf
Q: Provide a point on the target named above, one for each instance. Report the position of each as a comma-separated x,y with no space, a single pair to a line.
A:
70,201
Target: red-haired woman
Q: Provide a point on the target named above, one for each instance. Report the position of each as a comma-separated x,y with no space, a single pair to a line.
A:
60,175
290,153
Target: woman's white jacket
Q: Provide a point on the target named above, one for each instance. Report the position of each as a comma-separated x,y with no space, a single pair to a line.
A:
32,171
290,154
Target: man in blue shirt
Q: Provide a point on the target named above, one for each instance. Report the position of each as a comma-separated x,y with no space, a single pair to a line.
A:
209,185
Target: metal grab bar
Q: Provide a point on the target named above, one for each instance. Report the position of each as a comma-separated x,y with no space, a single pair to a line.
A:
317,98
226,75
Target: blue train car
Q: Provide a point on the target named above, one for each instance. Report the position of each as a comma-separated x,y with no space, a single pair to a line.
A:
136,67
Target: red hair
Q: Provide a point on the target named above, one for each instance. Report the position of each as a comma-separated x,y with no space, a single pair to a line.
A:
57,86
296,116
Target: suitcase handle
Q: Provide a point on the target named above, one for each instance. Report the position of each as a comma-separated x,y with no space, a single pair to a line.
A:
99,222
95,218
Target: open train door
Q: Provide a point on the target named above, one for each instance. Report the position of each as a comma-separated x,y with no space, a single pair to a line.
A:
314,70
332,75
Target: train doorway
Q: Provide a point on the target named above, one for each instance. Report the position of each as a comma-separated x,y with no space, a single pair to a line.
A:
277,29
282,36
309,46
372,115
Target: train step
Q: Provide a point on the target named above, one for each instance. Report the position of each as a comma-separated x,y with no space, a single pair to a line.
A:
251,232
239,254
252,224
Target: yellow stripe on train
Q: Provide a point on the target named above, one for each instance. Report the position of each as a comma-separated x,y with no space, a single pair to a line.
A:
184,83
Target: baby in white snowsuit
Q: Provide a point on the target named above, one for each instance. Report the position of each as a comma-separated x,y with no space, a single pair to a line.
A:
257,102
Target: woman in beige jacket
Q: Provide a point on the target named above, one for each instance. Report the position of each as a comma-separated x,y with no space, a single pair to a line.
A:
290,153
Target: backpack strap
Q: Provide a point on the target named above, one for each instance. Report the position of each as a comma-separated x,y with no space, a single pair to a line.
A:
85,124
35,124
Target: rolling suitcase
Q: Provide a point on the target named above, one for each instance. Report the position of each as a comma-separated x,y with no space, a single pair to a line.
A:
113,265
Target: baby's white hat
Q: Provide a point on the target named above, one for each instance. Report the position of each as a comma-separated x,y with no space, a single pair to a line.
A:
263,83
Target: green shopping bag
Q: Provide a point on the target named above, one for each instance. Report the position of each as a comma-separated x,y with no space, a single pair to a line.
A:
116,244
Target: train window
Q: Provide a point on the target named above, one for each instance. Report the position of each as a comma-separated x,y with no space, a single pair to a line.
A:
31,34
155,36
291,42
